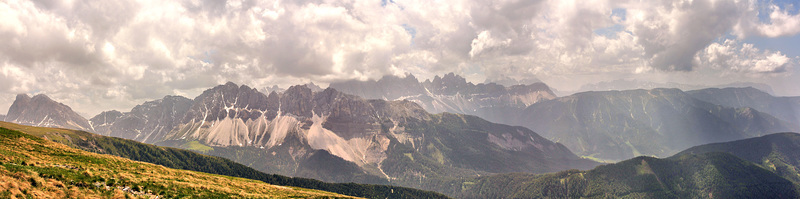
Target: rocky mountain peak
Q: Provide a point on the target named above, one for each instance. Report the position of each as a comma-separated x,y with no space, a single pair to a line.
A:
313,87
23,97
230,84
452,93
297,100
449,84
105,118
226,100
274,88
298,90
40,110
148,122
42,97
17,107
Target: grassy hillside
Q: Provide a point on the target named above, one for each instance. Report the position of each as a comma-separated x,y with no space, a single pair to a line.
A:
775,152
188,160
708,175
32,167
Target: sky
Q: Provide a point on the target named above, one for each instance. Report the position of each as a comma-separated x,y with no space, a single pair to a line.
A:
102,55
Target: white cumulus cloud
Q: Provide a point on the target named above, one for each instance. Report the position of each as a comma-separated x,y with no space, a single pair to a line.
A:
100,55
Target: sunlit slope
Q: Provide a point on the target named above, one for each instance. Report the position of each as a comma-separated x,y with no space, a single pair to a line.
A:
38,168
779,153
188,160
709,175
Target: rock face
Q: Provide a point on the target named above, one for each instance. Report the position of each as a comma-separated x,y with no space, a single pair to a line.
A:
616,125
338,137
43,111
102,122
148,122
2,117
452,93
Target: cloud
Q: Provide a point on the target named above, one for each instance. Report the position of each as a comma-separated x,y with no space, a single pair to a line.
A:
780,23
672,32
733,56
99,55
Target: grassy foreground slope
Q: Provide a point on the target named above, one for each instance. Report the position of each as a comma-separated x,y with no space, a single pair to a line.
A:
32,167
188,160
707,175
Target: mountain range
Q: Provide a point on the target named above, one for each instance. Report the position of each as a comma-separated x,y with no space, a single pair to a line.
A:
602,125
451,93
337,137
616,125
760,167
707,175
623,84
785,108
384,132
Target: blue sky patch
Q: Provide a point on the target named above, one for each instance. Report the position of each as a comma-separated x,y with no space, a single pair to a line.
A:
611,31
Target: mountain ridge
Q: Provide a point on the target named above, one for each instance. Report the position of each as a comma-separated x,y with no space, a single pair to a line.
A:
451,93
711,170
785,108
648,122
775,152
158,117
40,110
707,175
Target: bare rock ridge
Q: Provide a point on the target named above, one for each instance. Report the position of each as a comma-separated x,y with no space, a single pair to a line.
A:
147,122
452,93
40,110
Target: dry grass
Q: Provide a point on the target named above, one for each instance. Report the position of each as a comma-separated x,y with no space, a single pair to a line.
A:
38,168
